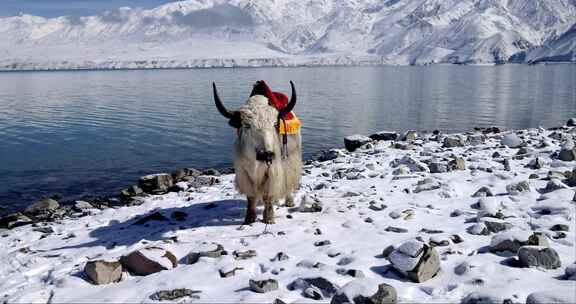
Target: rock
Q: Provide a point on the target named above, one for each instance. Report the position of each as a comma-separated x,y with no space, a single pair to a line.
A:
396,229
387,251
363,292
555,184
45,205
411,163
462,268
211,172
427,184
329,155
560,227
410,135
81,206
228,271
489,207
149,260
103,272
513,240
244,255
384,135
496,225
521,187
180,186
479,298
512,140
539,256
571,122
453,142
280,256
354,142
549,297
326,288
416,260
156,183
181,174
457,164
536,164
14,220
438,168
478,229
570,272
351,272
483,192
174,294
210,251
567,154
203,181
131,191
322,243
309,204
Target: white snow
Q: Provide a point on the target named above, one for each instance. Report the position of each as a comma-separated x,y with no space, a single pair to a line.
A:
229,33
38,267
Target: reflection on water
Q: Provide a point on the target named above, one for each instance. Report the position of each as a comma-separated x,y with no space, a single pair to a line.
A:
90,132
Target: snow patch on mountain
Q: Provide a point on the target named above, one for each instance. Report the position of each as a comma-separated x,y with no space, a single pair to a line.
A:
205,33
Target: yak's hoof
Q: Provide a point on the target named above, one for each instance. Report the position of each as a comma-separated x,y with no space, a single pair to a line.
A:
249,221
269,221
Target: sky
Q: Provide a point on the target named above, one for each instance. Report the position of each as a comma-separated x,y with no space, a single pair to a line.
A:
54,8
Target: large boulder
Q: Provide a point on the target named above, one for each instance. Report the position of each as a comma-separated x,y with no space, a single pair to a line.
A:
567,152
149,260
103,272
453,142
416,260
156,183
45,205
539,256
354,142
512,240
363,291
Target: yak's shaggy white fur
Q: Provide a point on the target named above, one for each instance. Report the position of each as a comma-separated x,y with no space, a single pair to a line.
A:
256,179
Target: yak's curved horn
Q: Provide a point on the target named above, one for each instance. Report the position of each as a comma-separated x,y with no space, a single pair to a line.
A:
221,108
288,108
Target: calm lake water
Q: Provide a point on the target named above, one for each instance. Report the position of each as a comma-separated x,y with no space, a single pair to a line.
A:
95,132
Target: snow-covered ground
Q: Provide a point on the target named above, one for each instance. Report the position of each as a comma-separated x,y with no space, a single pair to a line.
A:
362,194
216,33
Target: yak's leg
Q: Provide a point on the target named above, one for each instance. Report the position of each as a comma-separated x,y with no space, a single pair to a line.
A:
250,211
289,201
268,211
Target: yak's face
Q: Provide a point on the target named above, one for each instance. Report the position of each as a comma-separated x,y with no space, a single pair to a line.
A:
257,130
257,126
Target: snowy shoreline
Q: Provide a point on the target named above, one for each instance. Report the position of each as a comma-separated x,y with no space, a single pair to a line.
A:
474,197
279,62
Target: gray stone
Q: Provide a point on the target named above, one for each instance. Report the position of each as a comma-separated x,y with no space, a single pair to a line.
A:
280,256
570,272
428,266
483,192
480,298
45,205
82,206
326,288
355,273
539,256
244,255
462,268
310,204
453,142
415,260
567,154
571,122
512,241
384,135
478,229
263,286
156,183
427,184
457,164
560,227
329,155
548,297
181,174
555,184
496,225
396,229
149,260
103,272
521,187
156,216
14,220
410,135
174,294
215,252
354,142
131,191
438,168
536,164
355,292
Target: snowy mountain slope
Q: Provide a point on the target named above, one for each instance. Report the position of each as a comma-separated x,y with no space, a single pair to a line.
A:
293,32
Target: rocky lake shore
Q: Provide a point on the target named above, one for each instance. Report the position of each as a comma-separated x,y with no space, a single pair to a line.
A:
485,216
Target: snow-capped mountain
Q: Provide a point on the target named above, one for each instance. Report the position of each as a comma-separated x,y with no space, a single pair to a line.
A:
295,32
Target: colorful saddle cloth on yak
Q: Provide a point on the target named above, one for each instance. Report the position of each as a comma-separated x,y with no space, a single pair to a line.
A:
290,124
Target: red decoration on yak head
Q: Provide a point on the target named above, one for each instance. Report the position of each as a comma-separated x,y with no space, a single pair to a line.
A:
277,99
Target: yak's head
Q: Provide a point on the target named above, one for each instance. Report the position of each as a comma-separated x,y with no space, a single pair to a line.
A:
257,123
